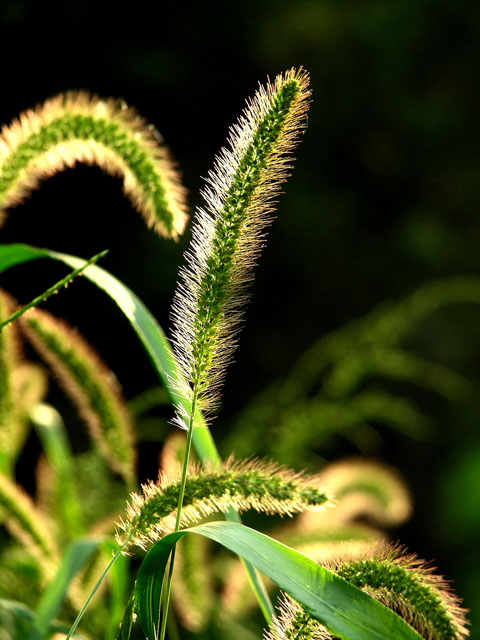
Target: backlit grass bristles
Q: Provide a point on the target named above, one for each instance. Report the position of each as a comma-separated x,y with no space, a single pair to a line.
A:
240,196
89,383
8,357
293,623
409,587
401,582
242,485
25,522
79,127
29,386
367,488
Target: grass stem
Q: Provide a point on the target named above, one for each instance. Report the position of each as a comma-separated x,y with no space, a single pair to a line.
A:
166,601
51,290
95,588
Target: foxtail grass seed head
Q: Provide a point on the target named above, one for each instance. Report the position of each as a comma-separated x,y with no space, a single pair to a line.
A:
241,485
29,387
294,623
367,488
228,234
8,361
79,127
26,522
89,383
408,586
401,582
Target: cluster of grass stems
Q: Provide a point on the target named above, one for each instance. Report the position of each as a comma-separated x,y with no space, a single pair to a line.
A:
344,579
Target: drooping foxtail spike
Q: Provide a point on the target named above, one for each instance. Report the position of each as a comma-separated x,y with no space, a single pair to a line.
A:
29,385
240,197
367,488
79,127
407,585
26,522
89,383
401,582
254,484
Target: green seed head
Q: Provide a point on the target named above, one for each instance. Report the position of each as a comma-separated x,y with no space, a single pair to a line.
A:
78,127
89,383
262,486
240,197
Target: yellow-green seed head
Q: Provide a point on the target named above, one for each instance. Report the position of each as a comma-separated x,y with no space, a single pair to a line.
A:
258,485
400,581
79,127
240,197
90,384
408,586
293,623
26,522
367,488
9,353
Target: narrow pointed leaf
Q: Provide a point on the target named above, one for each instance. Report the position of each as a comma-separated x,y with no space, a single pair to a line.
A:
125,629
52,433
53,597
348,612
142,321
159,350
52,290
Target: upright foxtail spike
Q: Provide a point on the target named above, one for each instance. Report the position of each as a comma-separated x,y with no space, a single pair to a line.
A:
240,197
79,127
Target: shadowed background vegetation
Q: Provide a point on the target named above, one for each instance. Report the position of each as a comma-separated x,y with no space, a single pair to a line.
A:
384,198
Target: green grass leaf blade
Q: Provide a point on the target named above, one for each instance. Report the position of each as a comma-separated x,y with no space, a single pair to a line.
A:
346,611
74,560
142,321
120,603
52,434
159,351
53,289
13,254
125,630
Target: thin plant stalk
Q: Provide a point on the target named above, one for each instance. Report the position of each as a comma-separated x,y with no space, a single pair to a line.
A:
188,446
79,617
51,290
227,239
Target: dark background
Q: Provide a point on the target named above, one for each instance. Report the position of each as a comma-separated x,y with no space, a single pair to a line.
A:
384,197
